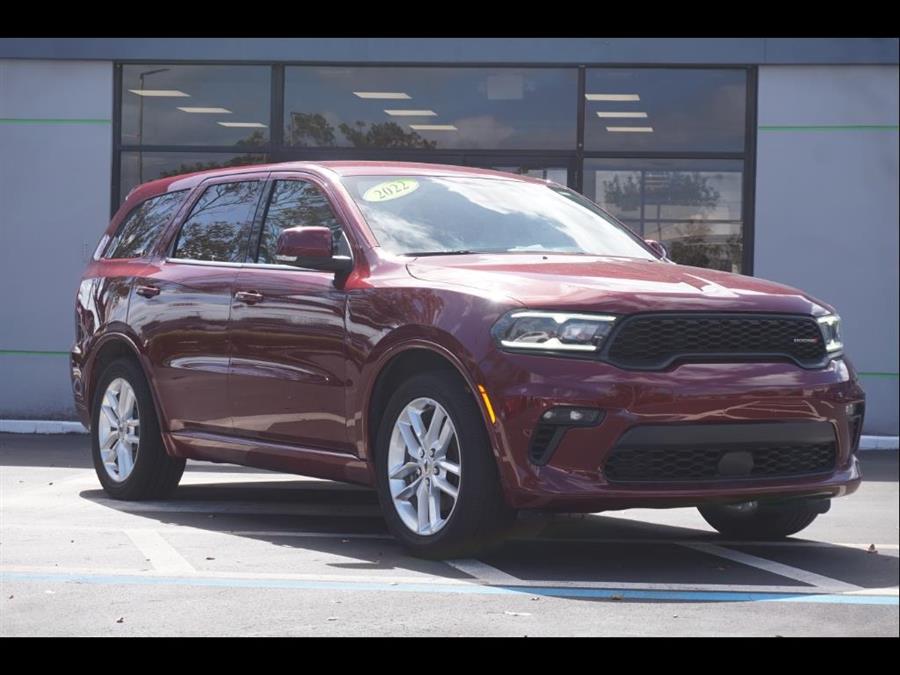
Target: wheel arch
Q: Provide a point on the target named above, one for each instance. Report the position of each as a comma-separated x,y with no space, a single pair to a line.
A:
399,363
110,347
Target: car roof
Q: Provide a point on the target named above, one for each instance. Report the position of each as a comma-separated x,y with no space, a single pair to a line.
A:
339,168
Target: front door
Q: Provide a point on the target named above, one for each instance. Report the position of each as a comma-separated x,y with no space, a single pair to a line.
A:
288,374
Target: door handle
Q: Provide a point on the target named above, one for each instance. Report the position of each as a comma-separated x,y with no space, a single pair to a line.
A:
147,291
249,297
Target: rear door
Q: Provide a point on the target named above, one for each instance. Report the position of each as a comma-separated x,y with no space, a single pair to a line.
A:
288,374
180,307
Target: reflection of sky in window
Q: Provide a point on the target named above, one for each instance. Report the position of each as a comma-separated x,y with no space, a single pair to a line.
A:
450,213
688,109
244,90
490,108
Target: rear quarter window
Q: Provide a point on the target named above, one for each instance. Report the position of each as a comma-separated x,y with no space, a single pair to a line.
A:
143,225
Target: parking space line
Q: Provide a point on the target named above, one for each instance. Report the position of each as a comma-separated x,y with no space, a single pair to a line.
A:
444,587
433,579
161,554
484,573
773,567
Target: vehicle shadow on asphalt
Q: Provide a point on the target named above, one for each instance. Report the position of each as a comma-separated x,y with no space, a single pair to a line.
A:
345,521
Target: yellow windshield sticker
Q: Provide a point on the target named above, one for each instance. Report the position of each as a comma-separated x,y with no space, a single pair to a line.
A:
392,189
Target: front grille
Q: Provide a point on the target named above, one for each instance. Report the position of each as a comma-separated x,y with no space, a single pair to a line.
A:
653,341
674,465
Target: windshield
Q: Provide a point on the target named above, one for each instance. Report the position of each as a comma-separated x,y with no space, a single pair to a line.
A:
452,214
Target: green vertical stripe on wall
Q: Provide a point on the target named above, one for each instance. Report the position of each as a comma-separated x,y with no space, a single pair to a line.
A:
829,127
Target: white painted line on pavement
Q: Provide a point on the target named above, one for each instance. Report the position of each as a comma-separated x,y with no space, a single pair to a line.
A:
484,573
773,567
424,578
891,590
161,554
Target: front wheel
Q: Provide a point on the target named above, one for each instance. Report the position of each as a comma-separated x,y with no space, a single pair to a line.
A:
438,484
752,520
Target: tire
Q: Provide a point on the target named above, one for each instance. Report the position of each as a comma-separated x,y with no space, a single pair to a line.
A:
752,521
153,474
478,516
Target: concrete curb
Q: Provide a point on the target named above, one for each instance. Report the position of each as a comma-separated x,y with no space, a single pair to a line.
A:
879,442
41,427
59,427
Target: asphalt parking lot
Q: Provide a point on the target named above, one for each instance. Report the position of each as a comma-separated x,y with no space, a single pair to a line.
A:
246,552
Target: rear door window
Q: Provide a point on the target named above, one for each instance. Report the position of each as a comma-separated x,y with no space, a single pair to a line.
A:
218,227
143,226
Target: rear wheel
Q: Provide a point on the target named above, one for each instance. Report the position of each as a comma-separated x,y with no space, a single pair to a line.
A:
438,484
129,457
752,520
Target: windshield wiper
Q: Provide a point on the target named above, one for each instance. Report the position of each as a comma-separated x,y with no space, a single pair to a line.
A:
422,254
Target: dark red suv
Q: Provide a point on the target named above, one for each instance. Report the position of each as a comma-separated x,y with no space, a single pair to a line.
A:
468,342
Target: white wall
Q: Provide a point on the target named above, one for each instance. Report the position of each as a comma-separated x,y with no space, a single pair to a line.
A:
827,207
55,164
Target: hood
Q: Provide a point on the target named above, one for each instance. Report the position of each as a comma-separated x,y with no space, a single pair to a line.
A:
616,285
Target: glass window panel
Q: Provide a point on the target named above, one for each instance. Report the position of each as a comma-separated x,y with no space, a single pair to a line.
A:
414,215
557,175
297,203
665,109
195,104
431,107
144,224
140,167
692,206
219,224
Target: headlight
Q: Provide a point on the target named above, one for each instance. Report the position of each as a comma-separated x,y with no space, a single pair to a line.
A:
552,331
831,332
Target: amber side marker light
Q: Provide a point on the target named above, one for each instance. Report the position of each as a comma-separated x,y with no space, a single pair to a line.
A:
487,403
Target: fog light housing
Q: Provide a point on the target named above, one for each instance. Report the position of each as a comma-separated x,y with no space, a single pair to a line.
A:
553,425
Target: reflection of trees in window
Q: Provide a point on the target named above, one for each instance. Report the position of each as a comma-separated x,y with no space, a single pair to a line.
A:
313,130
692,243
660,188
240,160
255,139
144,224
310,129
384,135
218,225
296,204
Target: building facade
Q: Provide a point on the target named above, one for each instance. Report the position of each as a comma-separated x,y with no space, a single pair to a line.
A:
771,157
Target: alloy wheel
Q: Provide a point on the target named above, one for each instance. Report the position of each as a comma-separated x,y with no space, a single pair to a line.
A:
119,429
424,466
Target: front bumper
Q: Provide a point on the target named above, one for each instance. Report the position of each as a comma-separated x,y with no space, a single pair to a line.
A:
523,386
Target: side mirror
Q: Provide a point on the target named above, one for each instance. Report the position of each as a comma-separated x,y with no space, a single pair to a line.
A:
310,247
658,248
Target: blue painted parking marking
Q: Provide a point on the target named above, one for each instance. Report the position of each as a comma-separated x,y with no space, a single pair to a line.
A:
474,589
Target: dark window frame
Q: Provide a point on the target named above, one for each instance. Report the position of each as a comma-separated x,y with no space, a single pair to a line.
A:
276,151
